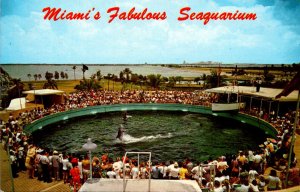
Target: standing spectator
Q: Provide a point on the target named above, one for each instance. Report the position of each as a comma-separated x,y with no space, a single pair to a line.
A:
174,171
75,175
218,187
50,166
143,171
85,167
254,186
198,172
257,162
243,183
183,172
21,159
96,169
80,167
117,167
273,181
155,171
261,183
242,160
252,175
13,163
55,164
163,170
111,174
29,162
294,176
65,163
38,165
44,161
134,170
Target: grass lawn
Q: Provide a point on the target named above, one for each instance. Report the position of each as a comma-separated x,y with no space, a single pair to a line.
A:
68,85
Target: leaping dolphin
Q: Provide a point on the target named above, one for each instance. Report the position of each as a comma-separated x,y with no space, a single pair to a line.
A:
121,132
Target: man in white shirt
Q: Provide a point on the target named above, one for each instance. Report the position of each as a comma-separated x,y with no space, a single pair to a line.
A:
45,166
174,171
257,161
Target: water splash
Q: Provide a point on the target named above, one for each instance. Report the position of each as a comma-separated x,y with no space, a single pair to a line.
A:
130,139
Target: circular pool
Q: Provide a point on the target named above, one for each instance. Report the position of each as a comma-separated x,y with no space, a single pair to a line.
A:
168,135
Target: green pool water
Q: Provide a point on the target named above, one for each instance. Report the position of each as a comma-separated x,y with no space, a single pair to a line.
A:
168,135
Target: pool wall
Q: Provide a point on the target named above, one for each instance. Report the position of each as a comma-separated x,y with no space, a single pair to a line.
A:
57,117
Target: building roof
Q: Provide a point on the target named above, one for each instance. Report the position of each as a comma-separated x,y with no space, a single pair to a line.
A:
44,92
264,92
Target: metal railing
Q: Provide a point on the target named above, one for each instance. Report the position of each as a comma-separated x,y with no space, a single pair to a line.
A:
212,172
149,164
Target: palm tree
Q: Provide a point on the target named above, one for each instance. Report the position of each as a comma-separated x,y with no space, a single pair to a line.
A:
50,84
29,76
84,69
214,79
39,76
114,78
35,77
14,91
18,84
74,68
172,81
204,79
88,84
56,75
108,77
121,76
155,80
197,79
62,74
48,76
99,75
127,72
179,79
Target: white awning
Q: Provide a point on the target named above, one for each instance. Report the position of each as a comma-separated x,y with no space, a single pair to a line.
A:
269,93
44,92
17,103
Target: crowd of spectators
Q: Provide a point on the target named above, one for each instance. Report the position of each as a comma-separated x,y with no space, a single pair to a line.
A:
244,171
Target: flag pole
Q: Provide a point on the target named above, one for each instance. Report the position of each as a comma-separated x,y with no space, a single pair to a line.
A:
293,140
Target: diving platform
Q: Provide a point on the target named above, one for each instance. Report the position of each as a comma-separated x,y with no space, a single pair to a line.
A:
140,185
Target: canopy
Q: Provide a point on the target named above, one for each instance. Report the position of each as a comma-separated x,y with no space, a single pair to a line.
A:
44,92
269,93
17,103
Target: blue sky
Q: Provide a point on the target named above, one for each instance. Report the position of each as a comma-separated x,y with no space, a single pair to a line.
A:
274,38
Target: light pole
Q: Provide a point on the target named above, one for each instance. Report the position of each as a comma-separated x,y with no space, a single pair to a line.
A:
34,95
89,146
